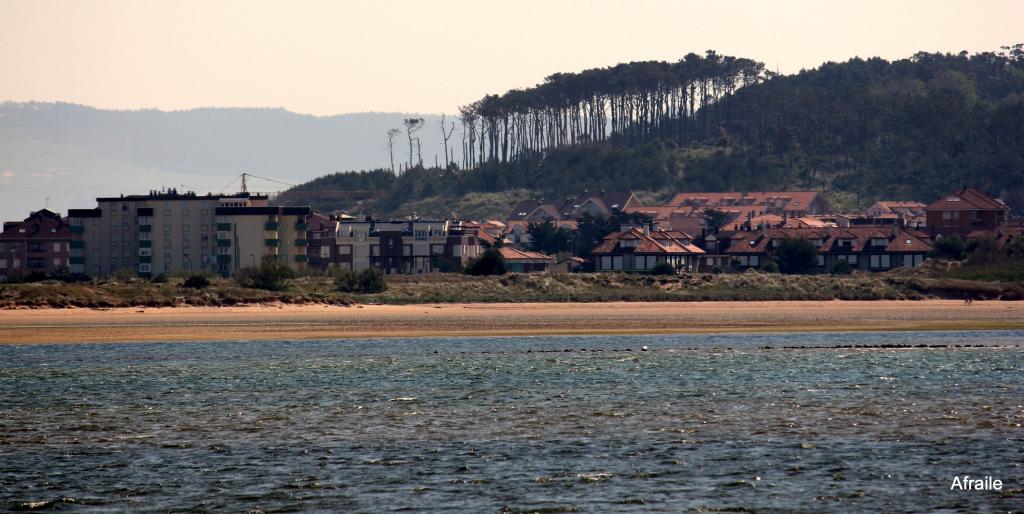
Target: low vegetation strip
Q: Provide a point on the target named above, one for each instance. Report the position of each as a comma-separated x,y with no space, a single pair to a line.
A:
513,287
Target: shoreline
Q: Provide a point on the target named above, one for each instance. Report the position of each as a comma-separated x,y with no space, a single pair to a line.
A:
321,321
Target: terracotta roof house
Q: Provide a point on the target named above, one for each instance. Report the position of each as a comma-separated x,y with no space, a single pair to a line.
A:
640,249
39,243
791,203
522,261
965,211
866,248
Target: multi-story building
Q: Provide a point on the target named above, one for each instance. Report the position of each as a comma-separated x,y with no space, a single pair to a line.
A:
172,232
965,211
641,249
38,244
247,235
405,247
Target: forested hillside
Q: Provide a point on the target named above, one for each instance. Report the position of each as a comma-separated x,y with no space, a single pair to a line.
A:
860,130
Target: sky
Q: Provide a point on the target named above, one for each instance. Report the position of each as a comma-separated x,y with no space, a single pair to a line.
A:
324,58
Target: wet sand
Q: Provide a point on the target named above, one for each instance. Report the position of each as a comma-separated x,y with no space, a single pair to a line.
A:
276,322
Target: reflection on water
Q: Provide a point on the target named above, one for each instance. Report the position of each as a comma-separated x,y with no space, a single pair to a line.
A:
703,423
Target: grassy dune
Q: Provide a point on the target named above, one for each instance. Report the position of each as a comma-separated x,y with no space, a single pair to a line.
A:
930,282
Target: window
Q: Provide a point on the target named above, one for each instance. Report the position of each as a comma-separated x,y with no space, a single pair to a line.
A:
821,260
167,212
880,261
56,247
167,228
204,228
167,244
185,228
145,236
184,212
145,220
145,252
144,267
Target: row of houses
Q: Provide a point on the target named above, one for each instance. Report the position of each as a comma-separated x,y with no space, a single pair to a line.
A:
172,232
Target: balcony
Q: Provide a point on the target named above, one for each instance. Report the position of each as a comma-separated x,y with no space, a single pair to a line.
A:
77,229
145,228
272,226
145,244
301,258
145,259
301,242
223,259
223,242
274,243
301,227
76,260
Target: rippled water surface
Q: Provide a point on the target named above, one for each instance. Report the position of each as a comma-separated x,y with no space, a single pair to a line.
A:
777,422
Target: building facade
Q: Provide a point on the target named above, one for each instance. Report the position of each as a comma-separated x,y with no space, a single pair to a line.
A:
406,246
41,243
965,211
172,232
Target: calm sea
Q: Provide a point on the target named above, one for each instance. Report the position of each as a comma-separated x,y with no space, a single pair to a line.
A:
724,423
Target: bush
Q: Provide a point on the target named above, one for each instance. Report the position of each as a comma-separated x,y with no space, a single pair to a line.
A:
271,275
159,278
346,281
770,266
717,270
197,281
948,247
796,255
367,281
490,263
662,268
841,268
372,281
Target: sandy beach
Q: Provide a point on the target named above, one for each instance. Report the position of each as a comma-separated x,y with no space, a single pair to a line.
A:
273,322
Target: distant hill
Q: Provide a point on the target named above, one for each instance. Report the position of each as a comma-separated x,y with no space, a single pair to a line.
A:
71,153
860,130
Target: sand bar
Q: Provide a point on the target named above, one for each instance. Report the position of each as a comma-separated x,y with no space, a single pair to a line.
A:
274,322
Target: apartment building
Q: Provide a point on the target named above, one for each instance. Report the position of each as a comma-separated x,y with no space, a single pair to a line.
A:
246,235
170,232
405,246
38,244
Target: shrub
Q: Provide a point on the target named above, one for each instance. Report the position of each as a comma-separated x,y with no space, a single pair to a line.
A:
272,275
346,281
717,270
841,268
159,278
197,281
948,247
796,255
770,266
662,268
367,281
372,281
490,263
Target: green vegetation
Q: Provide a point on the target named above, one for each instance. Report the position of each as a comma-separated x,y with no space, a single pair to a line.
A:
662,268
196,281
933,280
491,262
796,255
948,247
270,275
367,281
862,130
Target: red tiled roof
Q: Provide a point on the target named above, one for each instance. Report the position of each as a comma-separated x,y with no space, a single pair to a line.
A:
966,200
514,254
791,200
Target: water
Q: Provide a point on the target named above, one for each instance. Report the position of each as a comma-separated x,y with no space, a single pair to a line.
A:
698,423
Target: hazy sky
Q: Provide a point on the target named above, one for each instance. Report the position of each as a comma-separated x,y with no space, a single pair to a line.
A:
324,57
